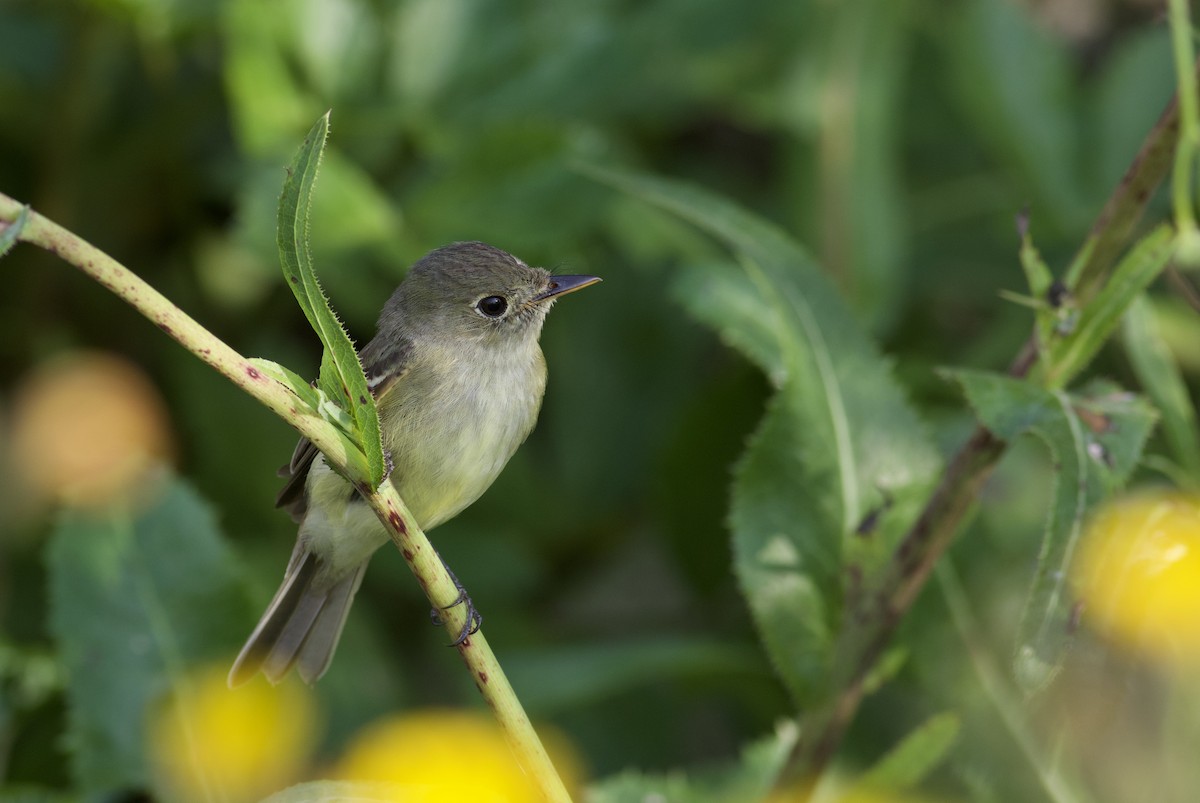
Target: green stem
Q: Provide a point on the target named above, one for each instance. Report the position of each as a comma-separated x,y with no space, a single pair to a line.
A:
1189,138
44,233
485,669
1123,211
408,537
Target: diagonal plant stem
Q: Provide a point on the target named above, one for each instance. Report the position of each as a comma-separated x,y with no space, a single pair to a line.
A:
431,574
1189,138
822,729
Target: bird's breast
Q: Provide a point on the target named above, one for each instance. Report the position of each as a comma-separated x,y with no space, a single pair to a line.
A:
452,429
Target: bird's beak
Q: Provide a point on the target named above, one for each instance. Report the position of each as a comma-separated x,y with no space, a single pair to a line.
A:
561,285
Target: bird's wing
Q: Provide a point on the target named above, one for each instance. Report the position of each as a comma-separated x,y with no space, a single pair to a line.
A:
384,366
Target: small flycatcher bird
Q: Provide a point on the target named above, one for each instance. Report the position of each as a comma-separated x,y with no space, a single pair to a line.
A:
458,378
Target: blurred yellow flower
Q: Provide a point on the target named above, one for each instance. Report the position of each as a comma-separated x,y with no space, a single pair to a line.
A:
212,742
1139,574
449,756
85,429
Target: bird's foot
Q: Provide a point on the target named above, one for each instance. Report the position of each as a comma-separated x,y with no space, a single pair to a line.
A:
474,617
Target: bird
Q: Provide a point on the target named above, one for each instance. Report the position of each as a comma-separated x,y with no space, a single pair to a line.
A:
458,376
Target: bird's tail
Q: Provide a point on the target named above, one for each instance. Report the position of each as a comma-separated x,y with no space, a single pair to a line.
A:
301,626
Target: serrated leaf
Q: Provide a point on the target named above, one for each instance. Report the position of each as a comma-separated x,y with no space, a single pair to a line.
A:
10,233
1101,315
135,600
918,754
1095,440
329,380
1054,312
1159,374
839,446
747,327
1037,272
341,373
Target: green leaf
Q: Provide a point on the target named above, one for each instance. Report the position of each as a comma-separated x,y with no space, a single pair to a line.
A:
341,375
10,233
846,98
1037,273
1159,374
1095,440
1014,81
751,778
559,678
1052,316
354,212
319,405
907,764
839,465
135,601
289,378
266,102
1100,315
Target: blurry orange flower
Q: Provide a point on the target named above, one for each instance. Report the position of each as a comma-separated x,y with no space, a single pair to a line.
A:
1139,574
85,429
448,756
210,742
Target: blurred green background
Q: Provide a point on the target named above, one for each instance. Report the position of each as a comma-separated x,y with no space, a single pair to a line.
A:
896,139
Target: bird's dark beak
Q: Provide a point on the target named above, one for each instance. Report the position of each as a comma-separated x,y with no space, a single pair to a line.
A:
561,285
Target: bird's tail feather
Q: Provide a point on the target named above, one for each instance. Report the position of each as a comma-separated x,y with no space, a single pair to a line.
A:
301,626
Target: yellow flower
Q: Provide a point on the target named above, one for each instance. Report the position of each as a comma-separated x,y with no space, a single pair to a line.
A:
212,742
447,756
1139,574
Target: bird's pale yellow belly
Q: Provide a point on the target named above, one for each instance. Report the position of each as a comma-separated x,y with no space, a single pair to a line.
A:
438,469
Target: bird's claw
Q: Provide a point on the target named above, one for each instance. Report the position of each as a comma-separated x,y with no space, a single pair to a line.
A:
470,626
474,618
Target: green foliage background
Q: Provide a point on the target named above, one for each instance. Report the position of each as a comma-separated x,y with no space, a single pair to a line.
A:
895,139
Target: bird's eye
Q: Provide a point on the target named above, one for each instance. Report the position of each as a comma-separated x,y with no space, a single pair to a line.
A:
492,306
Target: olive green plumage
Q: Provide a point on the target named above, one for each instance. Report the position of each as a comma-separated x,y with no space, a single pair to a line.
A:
458,377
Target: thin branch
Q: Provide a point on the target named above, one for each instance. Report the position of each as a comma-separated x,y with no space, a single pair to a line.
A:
485,668
1121,214
1189,138
43,232
431,574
